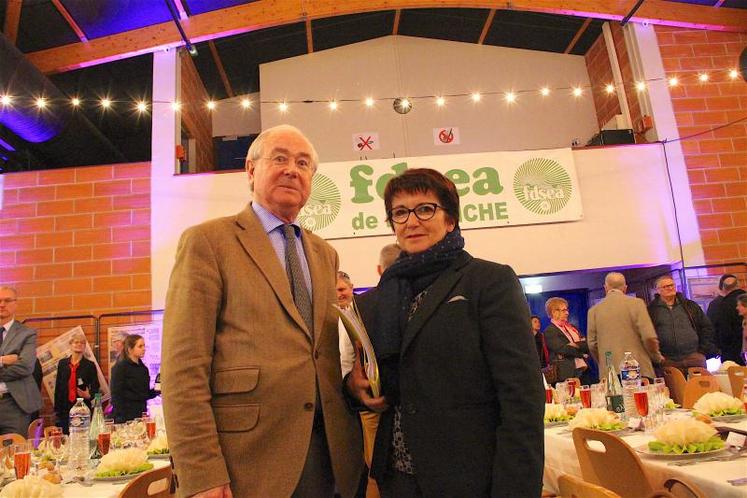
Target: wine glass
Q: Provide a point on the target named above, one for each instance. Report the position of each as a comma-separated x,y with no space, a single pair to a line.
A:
642,404
22,459
585,394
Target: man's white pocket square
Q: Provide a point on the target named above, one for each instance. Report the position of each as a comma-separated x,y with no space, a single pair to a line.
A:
457,298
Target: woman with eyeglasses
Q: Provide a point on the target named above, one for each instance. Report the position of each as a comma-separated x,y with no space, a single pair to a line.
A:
568,348
462,397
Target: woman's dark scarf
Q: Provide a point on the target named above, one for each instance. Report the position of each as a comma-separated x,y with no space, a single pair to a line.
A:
400,283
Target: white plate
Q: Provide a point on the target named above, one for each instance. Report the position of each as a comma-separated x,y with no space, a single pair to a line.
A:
162,456
729,418
644,450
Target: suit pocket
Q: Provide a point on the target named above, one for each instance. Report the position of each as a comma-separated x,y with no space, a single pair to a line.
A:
236,418
235,380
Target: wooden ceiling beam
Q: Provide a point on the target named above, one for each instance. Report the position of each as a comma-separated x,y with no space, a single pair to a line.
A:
269,13
578,34
486,26
12,19
309,37
221,69
395,26
70,21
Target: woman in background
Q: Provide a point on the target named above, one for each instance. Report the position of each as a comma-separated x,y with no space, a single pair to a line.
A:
131,381
568,348
76,378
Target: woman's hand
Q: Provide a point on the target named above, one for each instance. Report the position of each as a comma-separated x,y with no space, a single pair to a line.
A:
358,385
84,393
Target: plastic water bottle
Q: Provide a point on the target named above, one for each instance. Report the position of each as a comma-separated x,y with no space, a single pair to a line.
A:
80,422
630,374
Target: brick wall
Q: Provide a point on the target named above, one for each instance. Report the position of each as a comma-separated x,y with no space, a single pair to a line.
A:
716,160
600,75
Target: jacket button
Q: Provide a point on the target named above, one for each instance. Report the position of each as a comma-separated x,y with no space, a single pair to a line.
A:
410,408
308,406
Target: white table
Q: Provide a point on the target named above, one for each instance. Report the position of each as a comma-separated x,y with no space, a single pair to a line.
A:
710,477
101,489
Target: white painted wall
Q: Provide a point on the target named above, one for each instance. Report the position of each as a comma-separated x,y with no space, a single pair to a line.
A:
230,119
628,221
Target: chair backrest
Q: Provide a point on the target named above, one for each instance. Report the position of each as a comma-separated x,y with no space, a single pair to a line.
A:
573,487
48,430
737,376
692,371
675,381
615,467
13,438
698,386
36,430
153,484
645,381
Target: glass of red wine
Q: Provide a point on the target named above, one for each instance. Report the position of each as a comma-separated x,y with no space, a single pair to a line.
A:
641,404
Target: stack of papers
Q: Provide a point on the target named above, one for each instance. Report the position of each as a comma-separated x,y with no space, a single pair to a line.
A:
353,323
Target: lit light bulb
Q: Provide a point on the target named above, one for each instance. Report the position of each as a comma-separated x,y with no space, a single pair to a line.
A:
405,104
510,97
369,102
733,74
544,91
106,103
610,88
703,77
333,105
211,105
283,107
75,101
440,101
6,100
141,106
640,86
175,106
674,81
246,103
41,102
577,91
476,97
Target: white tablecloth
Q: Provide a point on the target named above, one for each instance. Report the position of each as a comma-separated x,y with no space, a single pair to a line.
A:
101,489
710,477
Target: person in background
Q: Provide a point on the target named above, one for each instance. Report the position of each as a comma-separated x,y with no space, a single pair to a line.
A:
130,381
742,311
539,341
38,378
76,378
713,305
462,397
568,348
620,323
684,331
344,289
728,323
19,395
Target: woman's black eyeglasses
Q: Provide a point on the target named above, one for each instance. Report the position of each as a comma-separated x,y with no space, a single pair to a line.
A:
423,212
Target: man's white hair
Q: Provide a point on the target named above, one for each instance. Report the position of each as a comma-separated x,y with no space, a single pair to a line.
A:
614,280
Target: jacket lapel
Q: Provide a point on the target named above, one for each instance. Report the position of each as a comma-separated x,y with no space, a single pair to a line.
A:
257,244
11,336
435,298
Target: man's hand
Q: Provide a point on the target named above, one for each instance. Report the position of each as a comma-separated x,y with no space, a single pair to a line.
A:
219,492
358,385
9,359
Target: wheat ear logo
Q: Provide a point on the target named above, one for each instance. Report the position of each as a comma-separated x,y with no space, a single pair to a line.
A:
542,186
323,205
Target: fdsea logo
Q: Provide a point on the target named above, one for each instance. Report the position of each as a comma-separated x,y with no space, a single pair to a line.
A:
542,185
323,205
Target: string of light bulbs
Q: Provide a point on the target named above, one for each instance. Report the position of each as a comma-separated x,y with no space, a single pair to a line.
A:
401,104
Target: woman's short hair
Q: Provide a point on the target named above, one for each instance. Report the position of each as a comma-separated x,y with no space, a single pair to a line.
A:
129,344
423,181
77,337
553,303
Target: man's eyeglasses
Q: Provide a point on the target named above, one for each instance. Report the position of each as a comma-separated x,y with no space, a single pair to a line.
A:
668,286
8,300
282,160
423,212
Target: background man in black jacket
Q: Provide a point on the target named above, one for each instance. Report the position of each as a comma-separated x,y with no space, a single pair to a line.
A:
728,323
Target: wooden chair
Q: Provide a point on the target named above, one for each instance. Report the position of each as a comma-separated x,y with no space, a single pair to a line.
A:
697,386
693,371
153,484
645,381
618,468
676,382
737,376
11,438
573,487
36,430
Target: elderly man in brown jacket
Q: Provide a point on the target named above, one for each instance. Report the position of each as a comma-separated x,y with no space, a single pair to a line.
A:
251,375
